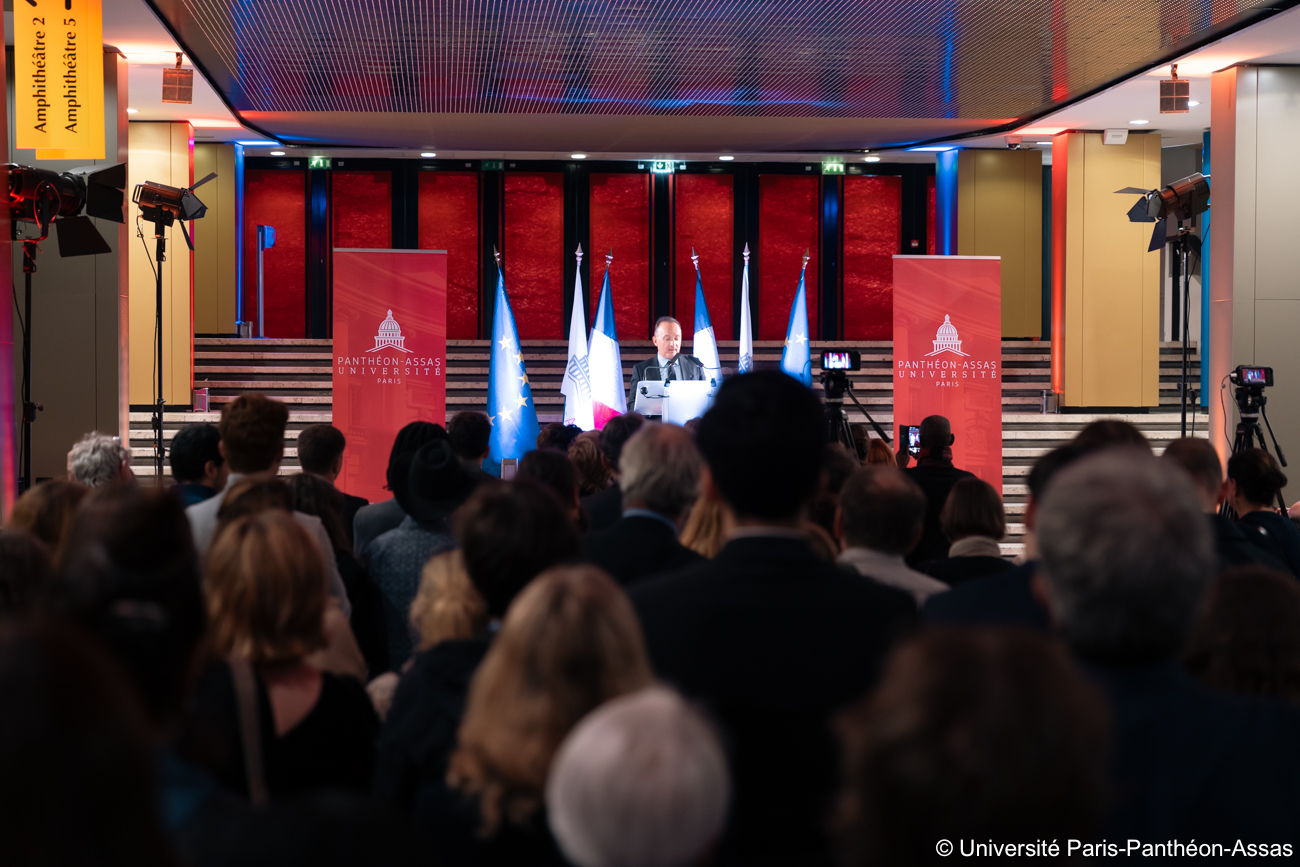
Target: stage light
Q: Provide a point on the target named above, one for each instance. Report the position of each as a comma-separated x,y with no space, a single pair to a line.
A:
1139,122
133,111
578,156
872,159
162,205
726,158
277,153
40,196
1170,206
428,154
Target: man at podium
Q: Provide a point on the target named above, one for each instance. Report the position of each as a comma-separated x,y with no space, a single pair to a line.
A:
667,363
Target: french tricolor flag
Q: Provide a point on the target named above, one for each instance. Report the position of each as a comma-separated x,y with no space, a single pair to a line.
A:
608,397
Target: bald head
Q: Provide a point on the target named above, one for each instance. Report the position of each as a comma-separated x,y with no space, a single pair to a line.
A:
936,432
881,509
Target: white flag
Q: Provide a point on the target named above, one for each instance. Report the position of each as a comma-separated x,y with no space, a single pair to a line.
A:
576,386
746,329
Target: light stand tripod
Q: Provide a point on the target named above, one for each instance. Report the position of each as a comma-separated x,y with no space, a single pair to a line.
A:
1250,406
29,408
1181,248
161,220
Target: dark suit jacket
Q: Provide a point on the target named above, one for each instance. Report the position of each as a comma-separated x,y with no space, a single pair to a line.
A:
1276,535
1003,599
603,508
936,482
689,367
774,642
1188,762
958,570
637,547
1235,548
351,505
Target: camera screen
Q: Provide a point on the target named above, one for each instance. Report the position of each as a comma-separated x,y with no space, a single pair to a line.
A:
1254,376
914,440
837,361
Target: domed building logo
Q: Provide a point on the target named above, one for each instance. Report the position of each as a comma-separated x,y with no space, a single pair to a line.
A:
390,336
946,340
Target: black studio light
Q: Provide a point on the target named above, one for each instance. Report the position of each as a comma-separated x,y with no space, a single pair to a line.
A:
40,198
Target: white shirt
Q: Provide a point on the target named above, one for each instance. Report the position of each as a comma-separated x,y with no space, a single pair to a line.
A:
892,571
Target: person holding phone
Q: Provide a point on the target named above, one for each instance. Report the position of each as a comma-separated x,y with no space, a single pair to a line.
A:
935,473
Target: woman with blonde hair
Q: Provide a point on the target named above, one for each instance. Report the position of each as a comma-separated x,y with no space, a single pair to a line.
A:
267,598
707,527
569,643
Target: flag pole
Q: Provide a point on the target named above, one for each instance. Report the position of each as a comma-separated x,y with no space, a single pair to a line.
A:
695,257
806,257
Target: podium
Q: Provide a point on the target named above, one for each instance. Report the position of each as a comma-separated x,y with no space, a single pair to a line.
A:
676,401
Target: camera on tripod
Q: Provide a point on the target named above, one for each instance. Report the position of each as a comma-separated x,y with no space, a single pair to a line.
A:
1250,383
834,379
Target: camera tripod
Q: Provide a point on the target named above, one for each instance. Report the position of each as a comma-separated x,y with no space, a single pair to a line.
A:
837,384
1250,406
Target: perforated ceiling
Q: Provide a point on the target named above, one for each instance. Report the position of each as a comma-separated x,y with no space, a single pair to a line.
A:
961,60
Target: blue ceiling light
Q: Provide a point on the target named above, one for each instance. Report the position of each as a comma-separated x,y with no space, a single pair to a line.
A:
935,148
259,143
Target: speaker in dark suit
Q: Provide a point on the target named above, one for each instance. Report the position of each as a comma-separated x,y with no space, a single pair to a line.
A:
682,366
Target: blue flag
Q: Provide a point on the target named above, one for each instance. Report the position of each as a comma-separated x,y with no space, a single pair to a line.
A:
510,397
796,358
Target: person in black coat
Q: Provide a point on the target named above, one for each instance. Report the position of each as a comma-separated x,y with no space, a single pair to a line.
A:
320,452
974,520
605,507
936,475
770,639
668,362
1126,560
660,482
1254,481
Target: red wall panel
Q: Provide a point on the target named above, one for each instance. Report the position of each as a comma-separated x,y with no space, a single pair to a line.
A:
705,220
362,208
873,231
533,252
449,221
620,218
930,215
277,197
787,225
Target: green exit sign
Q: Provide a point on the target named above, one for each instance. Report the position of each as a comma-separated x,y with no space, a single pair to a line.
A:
318,162
832,167
494,165
663,167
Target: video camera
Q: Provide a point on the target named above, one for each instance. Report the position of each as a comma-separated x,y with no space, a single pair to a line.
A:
1250,383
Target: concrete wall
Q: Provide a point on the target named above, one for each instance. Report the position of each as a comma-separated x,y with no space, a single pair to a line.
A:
1105,285
79,312
217,250
1254,256
163,153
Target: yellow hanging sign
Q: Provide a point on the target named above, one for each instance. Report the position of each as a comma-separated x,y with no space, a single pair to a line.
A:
59,76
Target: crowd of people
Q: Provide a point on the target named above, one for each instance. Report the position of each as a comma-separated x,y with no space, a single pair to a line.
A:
726,644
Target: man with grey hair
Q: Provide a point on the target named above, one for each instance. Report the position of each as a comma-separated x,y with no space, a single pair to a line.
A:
642,781
98,459
660,480
1127,554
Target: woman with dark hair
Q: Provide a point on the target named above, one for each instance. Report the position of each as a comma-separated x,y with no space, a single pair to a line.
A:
46,510
569,643
554,470
1254,480
974,521
314,495
1247,638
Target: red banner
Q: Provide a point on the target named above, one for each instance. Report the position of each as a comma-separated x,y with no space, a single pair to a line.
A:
948,353
390,347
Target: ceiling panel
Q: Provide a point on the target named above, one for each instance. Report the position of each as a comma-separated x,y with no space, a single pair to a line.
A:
301,67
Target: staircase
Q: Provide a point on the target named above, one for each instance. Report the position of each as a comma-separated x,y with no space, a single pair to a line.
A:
298,372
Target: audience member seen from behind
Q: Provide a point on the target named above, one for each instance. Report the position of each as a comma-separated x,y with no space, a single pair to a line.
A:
838,463
1254,481
593,475
266,599
606,507
1109,433
376,519
880,454
1201,462
773,638
552,469
1247,637
45,510
974,520
642,781
437,483
1125,562
660,482
25,573
77,781
935,473
973,735
508,535
320,453
198,469
707,528
558,437
470,433
880,518
569,643
314,495
99,459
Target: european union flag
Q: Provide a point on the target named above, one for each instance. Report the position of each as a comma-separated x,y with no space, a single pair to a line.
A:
510,397
796,359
